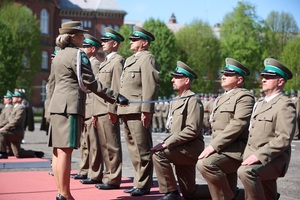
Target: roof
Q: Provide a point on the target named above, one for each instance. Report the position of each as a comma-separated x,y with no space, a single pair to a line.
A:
90,5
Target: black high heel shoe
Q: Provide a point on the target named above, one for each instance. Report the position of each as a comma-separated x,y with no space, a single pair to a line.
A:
60,197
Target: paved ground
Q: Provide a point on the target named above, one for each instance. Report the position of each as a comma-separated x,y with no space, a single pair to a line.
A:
288,186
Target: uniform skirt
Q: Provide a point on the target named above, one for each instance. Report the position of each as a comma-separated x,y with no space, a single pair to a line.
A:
65,130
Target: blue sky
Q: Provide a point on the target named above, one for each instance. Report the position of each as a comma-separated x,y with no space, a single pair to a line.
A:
211,11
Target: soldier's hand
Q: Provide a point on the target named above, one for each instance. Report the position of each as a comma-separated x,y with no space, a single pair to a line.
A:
121,100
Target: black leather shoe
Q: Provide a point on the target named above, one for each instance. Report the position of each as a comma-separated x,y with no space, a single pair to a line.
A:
89,181
106,186
140,192
130,190
171,196
39,154
79,176
60,197
3,155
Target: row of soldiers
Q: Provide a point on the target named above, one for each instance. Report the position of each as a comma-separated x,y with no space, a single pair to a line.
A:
15,117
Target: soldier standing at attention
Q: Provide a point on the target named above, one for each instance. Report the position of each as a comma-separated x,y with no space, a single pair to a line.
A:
272,126
91,166
105,116
139,82
219,161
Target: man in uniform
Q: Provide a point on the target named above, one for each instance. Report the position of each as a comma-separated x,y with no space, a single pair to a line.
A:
105,116
91,166
13,131
272,126
296,101
185,142
219,161
139,82
7,108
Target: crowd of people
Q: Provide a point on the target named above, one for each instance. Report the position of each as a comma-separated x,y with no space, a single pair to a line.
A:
88,101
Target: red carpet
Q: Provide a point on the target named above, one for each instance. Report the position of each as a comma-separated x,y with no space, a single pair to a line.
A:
39,185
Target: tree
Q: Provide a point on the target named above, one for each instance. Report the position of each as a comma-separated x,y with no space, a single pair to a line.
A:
280,28
241,38
7,52
165,50
25,41
200,49
291,58
124,48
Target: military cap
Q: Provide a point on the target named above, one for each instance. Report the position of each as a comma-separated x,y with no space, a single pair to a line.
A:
293,91
111,34
91,40
287,93
139,32
275,68
71,27
18,93
235,67
183,70
8,94
56,49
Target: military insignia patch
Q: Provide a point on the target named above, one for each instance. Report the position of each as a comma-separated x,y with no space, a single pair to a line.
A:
84,59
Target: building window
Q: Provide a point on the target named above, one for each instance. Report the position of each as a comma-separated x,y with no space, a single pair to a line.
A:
44,21
44,60
102,29
43,90
116,28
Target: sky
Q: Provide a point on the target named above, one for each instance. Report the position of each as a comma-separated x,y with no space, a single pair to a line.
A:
211,11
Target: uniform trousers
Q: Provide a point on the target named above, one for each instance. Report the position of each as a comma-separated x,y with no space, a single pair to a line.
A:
92,139
185,169
260,181
84,150
110,143
139,143
14,139
220,172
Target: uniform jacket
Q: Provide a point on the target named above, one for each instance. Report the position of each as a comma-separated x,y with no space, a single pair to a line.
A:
186,125
5,114
67,96
230,121
89,97
139,82
271,131
109,75
16,120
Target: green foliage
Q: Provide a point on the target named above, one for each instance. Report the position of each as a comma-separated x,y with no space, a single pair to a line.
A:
165,50
291,58
25,40
241,38
7,51
200,49
280,28
124,48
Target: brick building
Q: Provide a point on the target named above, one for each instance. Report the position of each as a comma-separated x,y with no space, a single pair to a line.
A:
95,15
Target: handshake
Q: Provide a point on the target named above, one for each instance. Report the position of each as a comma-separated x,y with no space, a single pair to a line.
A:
122,101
